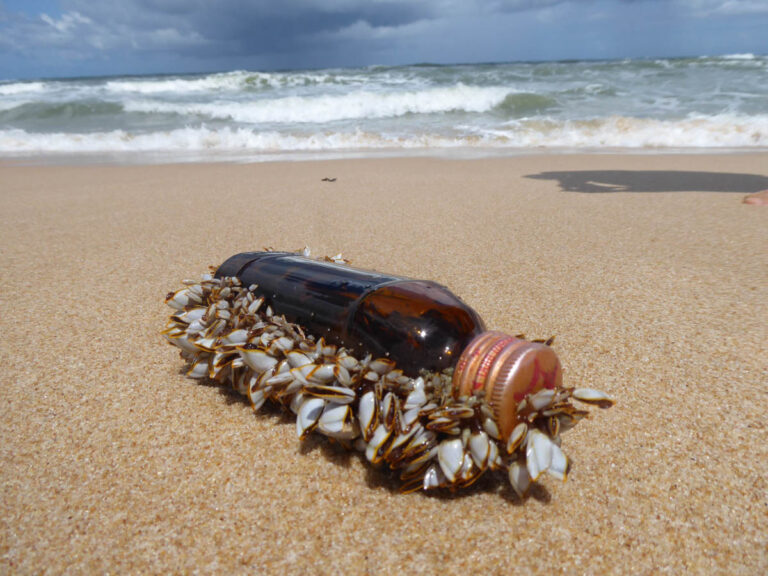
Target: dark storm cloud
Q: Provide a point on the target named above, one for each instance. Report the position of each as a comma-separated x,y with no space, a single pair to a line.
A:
60,37
227,27
237,27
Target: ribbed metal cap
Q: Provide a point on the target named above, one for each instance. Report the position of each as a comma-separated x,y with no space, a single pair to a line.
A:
507,369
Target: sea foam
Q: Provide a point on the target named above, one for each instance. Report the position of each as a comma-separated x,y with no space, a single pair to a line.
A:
329,108
16,88
611,133
713,102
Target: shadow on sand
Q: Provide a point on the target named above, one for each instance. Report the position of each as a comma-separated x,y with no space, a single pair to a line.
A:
653,181
379,478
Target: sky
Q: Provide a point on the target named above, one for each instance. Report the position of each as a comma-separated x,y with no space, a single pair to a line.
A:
66,38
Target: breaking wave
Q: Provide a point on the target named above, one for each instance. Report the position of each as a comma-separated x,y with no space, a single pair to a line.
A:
330,108
610,133
657,104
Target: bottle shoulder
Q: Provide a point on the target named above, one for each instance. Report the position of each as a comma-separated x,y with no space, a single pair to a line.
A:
421,323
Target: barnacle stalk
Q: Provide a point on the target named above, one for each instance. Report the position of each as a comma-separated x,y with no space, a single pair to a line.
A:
417,425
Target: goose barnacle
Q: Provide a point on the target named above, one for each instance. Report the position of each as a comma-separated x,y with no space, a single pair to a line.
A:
417,424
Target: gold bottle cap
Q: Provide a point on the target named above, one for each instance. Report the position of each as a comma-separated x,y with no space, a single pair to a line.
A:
507,369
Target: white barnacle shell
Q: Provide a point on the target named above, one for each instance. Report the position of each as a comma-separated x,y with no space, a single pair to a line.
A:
337,421
309,413
349,362
280,378
337,394
220,361
222,304
205,344
199,369
182,342
293,388
374,450
410,416
254,306
191,315
216,328
538,454
173,328
541,399
195,291
342,375
417,398
284,343
382,366
491,428
371,376
322,374
258,360
301,373
450,456
388,408
412,470
235,338
183,298
297,359
332,419
468,469
256,397
519,478
296,401
592,396
422,442
558,467
480,449
367,413
494,458
405,437
433,478
516,437
325,350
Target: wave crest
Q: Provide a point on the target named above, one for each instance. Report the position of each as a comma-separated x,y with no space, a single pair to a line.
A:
611,133
330,108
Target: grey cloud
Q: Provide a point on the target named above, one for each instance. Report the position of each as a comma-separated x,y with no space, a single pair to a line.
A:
171,35
714,7
732,7
229,27
234,27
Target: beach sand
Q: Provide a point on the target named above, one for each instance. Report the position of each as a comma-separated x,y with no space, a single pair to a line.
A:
652,276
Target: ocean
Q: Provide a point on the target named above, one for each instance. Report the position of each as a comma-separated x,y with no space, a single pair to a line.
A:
655,105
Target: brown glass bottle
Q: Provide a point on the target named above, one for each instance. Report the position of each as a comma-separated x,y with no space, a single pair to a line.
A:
419,324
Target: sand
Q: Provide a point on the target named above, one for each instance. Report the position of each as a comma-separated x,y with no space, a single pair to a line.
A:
653,277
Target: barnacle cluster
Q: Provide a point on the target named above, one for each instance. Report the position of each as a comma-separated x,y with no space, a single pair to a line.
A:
412,423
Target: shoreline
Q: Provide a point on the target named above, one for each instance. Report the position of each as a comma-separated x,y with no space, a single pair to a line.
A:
182,158
648,269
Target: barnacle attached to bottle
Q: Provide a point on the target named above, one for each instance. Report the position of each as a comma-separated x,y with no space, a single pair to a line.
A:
399,369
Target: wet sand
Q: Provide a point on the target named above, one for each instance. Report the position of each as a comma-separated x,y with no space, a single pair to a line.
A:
650,271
